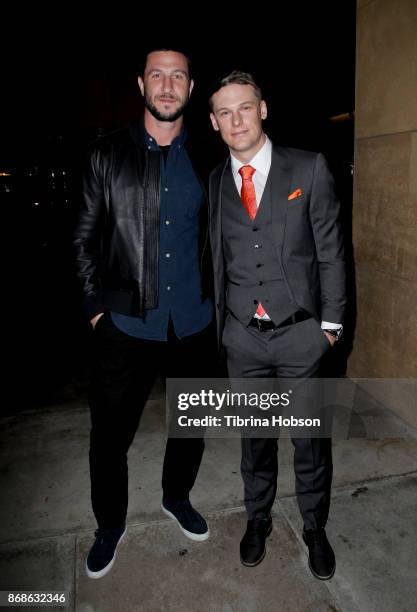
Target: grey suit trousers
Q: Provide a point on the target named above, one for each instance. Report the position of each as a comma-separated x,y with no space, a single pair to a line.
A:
293,351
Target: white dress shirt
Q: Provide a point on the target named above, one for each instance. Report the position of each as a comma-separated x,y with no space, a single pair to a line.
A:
262,163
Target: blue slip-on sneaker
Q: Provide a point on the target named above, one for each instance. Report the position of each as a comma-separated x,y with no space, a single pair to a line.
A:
189,520
102,554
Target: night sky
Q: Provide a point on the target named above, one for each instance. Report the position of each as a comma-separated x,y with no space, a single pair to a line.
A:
77,72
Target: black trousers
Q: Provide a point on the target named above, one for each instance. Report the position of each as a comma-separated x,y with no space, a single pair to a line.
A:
124,371
289,352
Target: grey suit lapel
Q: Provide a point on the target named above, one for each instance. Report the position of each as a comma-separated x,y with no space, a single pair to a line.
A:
216,200
217,243
281,177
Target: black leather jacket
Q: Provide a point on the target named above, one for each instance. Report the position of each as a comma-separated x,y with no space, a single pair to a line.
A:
117,235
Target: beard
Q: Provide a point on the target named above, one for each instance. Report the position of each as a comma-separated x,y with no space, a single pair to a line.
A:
161,116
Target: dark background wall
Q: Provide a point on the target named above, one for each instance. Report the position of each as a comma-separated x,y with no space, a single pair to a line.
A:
70,77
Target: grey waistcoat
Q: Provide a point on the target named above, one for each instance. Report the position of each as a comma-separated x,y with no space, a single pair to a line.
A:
253,265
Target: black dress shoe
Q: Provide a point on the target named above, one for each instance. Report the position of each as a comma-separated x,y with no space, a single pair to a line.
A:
321,559
252,546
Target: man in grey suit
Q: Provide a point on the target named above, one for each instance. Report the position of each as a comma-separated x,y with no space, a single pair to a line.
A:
280,295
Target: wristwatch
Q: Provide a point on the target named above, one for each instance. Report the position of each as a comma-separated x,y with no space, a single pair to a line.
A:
336,333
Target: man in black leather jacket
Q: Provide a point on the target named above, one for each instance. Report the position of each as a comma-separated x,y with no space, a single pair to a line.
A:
140,249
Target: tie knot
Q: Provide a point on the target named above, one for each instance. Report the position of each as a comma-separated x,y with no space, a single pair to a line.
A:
247,172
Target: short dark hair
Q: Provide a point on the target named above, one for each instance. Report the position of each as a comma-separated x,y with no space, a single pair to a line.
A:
236,77
174,49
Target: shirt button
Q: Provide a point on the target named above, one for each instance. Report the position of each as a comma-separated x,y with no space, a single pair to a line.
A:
259,265
168,288
168,255
254,229
256,246
167,221
166,188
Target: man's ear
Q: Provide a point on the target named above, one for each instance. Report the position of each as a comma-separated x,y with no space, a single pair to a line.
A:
141,86
264,110
214,122
191,87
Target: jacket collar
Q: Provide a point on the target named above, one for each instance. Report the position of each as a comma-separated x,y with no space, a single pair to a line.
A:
144,140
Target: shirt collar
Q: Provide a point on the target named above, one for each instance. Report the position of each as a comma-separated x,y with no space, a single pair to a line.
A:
177,142
261,161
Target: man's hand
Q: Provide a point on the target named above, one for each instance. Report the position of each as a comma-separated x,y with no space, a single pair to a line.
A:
95,319
329,337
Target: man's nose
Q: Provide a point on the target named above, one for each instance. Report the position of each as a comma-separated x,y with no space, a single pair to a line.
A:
236,118
167,83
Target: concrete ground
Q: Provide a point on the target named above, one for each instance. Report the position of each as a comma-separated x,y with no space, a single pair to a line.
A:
47,526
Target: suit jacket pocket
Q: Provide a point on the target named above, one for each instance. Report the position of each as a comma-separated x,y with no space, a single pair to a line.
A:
296,202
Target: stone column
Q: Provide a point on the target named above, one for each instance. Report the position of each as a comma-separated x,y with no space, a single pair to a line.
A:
385,193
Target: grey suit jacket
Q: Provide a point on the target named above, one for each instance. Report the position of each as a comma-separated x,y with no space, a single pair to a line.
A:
307,233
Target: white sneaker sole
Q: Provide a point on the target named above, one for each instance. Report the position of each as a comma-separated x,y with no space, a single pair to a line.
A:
197,537
105,570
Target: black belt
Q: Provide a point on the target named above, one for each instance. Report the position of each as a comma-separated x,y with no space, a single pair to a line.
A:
262,325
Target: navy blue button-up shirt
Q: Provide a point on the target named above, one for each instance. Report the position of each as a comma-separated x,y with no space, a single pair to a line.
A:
181,198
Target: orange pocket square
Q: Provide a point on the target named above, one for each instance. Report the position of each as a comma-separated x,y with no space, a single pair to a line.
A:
295,194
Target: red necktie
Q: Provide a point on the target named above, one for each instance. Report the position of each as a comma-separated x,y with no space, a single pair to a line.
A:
248,197
247,193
